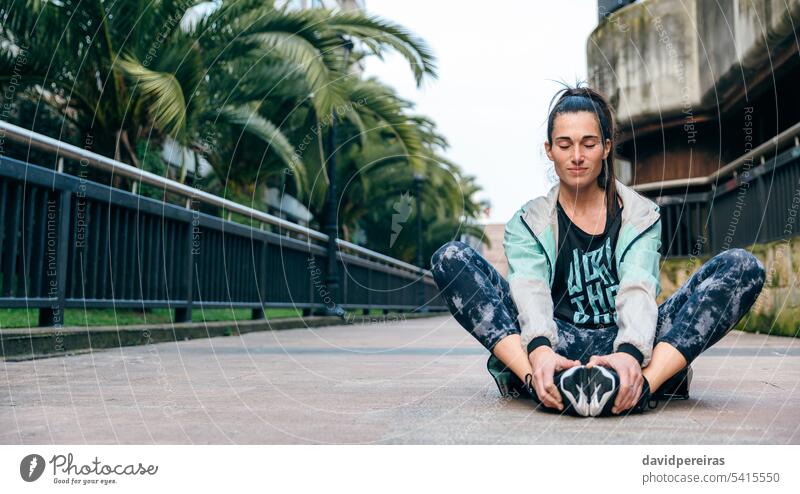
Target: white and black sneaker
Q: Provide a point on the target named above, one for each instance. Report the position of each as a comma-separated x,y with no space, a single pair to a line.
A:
647,400
587,392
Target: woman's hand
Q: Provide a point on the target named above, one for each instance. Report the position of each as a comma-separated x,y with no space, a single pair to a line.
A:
545,362
630,377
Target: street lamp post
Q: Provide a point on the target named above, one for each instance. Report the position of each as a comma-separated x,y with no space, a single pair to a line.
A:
418,181
331,227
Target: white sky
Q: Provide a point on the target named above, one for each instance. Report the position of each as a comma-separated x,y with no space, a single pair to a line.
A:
492,94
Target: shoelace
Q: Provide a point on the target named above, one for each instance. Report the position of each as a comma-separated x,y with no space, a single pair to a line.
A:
528,386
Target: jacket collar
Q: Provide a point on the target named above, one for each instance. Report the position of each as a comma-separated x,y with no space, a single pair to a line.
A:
638,210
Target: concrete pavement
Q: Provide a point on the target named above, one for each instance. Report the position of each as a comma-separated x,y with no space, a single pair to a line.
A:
418,381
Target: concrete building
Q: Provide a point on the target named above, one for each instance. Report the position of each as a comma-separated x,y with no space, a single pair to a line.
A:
495,253
696,84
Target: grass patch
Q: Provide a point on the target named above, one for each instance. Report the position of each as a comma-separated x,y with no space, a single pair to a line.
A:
26,318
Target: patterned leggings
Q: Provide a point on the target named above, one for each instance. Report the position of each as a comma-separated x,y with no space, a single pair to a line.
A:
697,315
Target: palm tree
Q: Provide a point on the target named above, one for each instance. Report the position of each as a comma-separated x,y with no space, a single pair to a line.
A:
245,85
126,70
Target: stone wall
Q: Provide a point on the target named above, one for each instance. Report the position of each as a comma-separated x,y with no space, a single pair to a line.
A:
777,309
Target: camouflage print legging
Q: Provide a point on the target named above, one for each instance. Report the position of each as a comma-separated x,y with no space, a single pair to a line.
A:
697,315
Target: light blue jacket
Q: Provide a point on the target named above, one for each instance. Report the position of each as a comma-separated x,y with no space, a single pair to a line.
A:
530,241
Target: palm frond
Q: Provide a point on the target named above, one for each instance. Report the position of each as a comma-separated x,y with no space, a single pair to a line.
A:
324,81
378,33
383,103
161,92
248,120
249,79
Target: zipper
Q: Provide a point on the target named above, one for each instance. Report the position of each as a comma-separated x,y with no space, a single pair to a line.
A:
637,237
547,258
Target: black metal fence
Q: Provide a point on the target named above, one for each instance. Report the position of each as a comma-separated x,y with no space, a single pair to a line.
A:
67,242
759,204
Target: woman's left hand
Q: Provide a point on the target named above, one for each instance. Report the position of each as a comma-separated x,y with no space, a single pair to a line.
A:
630,377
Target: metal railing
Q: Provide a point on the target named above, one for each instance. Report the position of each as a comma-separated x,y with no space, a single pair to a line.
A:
69,242
104,163
757,204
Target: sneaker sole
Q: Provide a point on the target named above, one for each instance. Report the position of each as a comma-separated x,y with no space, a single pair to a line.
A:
604,386
588,392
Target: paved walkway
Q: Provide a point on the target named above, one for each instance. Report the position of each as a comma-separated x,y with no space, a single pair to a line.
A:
417,381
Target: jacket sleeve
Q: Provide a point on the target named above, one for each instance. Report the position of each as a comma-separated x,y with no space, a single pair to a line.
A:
637,311
528,279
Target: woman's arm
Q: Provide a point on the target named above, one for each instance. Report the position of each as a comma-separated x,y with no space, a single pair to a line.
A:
528,279
635,302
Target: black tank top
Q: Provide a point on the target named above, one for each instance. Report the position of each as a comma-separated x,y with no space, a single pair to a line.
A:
586,281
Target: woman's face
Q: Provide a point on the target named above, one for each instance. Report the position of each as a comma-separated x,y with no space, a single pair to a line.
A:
577,149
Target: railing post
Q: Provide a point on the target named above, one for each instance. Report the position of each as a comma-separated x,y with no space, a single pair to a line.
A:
258,312
54,315
184,314
418,181
711,245
762,201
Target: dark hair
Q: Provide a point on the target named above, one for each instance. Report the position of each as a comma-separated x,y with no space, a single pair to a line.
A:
584,98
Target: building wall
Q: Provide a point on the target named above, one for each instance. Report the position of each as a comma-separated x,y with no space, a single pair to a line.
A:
660,59
685,75
495,254
668,155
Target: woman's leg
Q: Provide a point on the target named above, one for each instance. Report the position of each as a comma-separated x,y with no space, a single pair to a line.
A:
480,300
703,310
665,363
510,352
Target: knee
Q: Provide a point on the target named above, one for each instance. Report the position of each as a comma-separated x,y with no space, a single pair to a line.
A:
751,267
451,253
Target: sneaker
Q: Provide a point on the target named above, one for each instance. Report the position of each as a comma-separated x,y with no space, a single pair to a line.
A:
677,386
646,399
604,383
587,392
674,388
527,387
508,384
